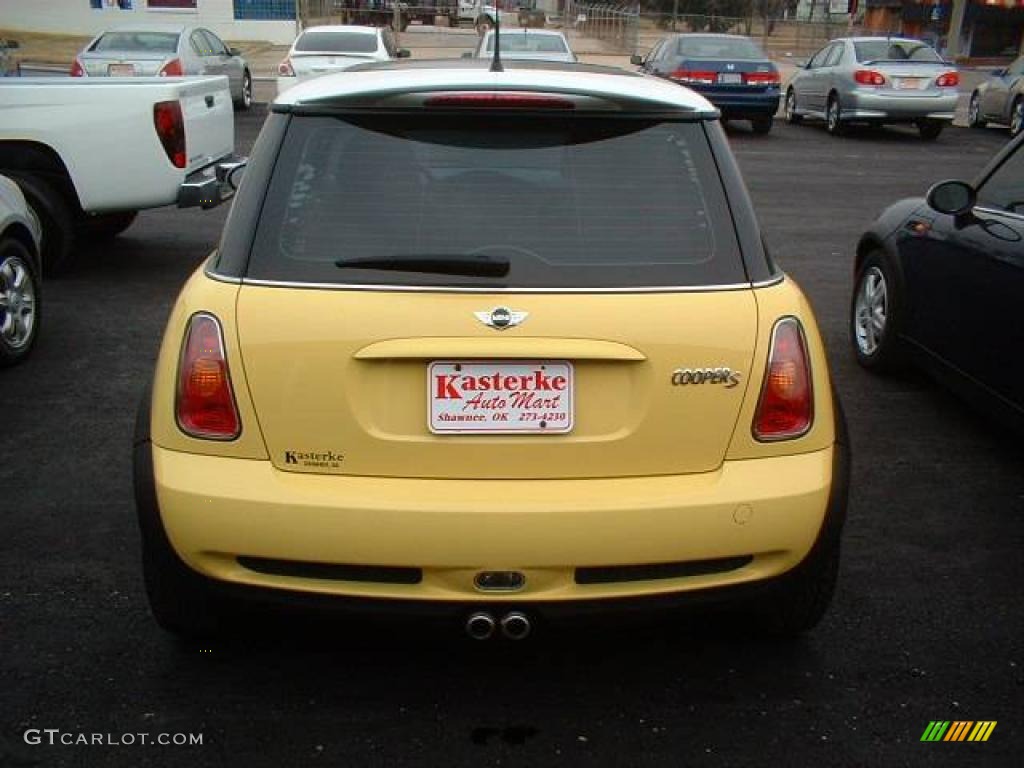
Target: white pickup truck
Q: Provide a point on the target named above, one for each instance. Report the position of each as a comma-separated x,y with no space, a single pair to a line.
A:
89,154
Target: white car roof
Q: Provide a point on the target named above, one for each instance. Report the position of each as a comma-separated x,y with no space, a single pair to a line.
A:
396,78
168,28
342,28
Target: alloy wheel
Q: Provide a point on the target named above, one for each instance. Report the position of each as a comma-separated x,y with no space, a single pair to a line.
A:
247,91
833,116
790,105
871,311
973,111
17,303
1017,118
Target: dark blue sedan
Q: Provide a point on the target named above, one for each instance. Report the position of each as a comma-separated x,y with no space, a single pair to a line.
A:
730,71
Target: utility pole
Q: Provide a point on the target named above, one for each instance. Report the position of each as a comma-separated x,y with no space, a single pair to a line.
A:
956,24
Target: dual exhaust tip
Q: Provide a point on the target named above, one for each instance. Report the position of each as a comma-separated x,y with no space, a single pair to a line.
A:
514,625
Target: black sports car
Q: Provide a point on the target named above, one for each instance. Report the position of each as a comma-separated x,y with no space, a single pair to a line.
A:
940,282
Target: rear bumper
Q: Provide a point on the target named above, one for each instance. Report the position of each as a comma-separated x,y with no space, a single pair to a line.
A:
738,105
870,105
213,511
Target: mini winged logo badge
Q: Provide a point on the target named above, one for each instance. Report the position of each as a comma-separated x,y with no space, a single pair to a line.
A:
501,318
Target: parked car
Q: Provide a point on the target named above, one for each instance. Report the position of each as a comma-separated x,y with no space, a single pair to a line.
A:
731,71
166,50
323,50
1000,99
876,81
20,283
577,398
940,283
522,44
137,147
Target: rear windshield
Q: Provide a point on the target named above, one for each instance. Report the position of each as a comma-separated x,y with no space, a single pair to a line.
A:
140,42
894,50
566,202
718,48
337,42
517,43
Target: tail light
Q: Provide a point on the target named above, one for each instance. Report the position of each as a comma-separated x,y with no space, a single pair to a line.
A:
205,402
170,127
285,68
172,68
693,77
762,78
948,80
868,77
499,100
786,407
77,70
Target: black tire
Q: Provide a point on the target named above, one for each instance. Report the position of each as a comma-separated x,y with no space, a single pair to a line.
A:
1016,117
930,129
886,353
761,125
792,117
19,283
106,226
802,596
57,220
974,118
243,103
833,116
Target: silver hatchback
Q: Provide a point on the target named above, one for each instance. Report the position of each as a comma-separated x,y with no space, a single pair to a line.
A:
165,50
875,80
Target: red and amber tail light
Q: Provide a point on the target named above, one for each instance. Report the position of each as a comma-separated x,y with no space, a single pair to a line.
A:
205,404
785,409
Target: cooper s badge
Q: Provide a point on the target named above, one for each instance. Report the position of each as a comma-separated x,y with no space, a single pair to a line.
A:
682,377
501,318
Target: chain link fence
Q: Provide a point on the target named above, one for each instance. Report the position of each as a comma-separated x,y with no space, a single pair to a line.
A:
618,25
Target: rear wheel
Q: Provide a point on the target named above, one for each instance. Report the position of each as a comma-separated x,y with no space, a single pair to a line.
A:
974,119
761,125
19,302
1016,116
875,315
930,129
792,116
834,116
57,222
244,101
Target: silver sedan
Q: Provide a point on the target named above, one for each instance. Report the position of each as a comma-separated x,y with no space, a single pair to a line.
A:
165,50
875,80
523,44
1000,99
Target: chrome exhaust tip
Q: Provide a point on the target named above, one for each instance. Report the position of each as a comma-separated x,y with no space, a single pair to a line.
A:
515,626
480,626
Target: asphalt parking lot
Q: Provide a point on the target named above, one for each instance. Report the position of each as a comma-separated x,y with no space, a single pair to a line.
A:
926,624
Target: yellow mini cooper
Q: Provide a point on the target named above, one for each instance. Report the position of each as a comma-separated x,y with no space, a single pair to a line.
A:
496,346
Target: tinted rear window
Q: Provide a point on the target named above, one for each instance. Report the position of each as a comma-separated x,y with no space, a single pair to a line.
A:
569,202
517,43
337,42
139,42
718,48
894,50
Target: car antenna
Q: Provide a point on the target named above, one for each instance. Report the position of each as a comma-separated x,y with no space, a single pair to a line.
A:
496,61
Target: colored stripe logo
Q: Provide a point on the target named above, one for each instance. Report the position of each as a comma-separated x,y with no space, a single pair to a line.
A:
958,730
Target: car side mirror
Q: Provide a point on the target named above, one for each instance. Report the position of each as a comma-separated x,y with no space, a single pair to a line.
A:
954,198
636,59
404,53
210,191
234,52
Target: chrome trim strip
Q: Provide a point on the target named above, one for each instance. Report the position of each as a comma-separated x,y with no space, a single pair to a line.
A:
998,212
222,278
460,289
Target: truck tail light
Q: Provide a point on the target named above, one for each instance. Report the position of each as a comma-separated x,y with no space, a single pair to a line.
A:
172,68
170,127
868,77
77,70
762,78
786,407
948,80
205,401
285,68
693,77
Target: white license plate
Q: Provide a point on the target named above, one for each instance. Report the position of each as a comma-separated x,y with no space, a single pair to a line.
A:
908,83
730,78
500,397
121,70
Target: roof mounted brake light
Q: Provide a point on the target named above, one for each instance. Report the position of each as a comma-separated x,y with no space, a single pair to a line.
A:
498,100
